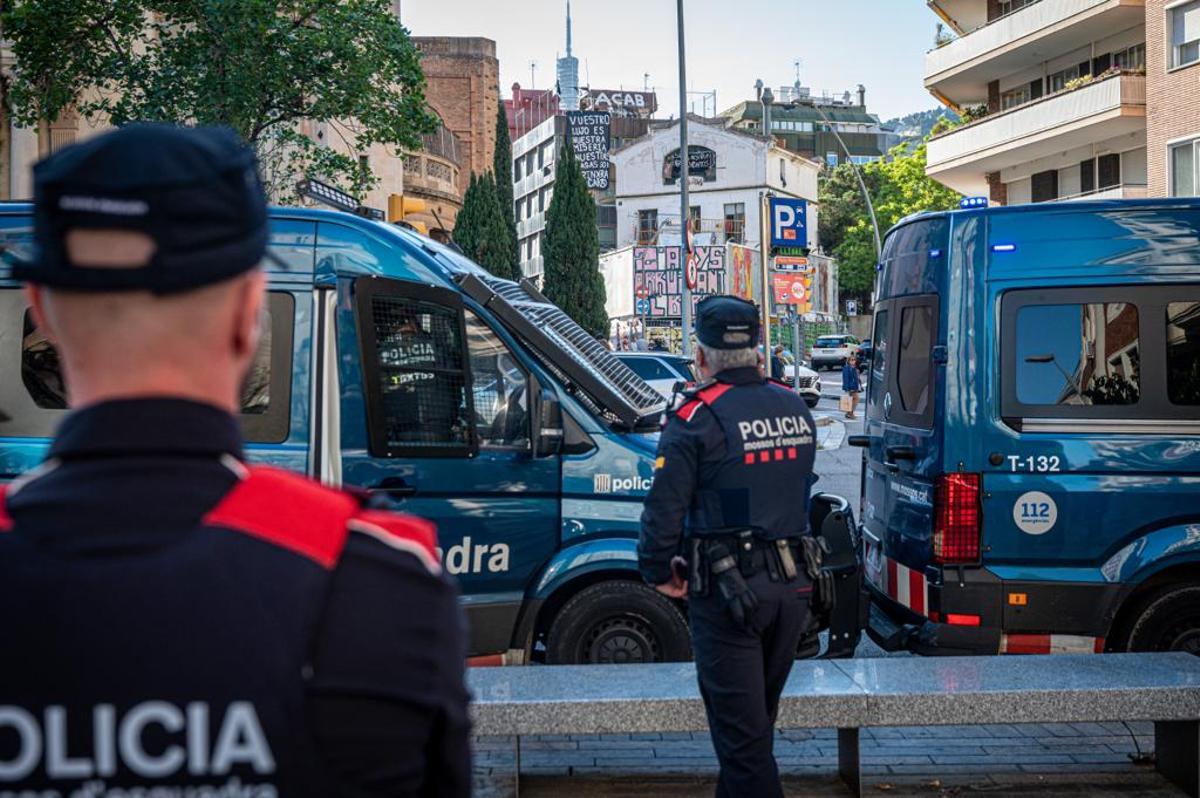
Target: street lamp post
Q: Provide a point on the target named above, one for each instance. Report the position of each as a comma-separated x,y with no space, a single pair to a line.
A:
684,215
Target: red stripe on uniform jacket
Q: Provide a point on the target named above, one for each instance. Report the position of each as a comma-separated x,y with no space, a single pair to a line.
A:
289,511
713,392
401,532
6,522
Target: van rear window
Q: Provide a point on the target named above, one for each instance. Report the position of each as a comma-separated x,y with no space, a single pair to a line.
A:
1183,353
916,344
830,343
1078,354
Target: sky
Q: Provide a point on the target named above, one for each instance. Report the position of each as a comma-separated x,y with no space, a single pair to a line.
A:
730,44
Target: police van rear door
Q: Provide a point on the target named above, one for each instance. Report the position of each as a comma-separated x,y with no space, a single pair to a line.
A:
905,383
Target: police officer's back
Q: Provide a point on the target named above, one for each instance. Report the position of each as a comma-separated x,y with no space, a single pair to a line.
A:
729,507
174,616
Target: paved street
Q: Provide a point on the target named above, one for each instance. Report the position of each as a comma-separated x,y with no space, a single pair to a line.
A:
1054,759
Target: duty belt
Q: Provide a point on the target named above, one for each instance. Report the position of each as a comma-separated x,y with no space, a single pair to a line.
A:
782,559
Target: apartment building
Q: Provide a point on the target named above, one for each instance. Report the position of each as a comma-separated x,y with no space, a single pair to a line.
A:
1055,94
799,127
1173,97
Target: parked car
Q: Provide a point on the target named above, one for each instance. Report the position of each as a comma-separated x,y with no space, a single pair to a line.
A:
865,352
660,370
831,351
1032,479
806,382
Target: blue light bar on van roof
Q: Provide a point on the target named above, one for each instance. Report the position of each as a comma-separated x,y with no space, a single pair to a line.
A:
1004,247
968,203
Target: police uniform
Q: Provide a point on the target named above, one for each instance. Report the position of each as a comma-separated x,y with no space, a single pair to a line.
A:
178,622
735,460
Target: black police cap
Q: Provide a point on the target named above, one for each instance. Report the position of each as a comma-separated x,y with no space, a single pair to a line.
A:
724,322
194,191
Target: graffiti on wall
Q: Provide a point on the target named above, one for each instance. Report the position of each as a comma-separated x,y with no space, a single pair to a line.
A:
742,272
658,276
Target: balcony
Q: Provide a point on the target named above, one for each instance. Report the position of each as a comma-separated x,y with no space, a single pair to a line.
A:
527,227
1101,109
960,69
1125,191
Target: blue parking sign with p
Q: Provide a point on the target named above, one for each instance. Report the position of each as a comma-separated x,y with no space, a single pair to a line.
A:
789,222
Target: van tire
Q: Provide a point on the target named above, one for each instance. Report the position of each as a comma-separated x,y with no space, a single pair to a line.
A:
1169,621
618,622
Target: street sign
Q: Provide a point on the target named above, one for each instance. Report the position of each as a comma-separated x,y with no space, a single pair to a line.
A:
792,289
790,264
643,307
692,269
641,292
851,307
789,222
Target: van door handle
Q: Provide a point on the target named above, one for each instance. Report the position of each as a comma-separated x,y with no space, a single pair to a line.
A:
395,486
900,453
861,441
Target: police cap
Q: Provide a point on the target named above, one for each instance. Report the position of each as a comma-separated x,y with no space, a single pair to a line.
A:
194,191
727,322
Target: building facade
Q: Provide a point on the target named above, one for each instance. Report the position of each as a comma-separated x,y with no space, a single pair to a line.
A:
463,86
802,129
535,158
1054,94
728,172
529,108
1173,97
431,175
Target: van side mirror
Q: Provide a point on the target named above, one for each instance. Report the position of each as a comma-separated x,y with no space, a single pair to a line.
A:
548,438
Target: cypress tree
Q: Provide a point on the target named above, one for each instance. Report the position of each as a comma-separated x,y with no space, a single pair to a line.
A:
480,229
502,167
466,232
571,248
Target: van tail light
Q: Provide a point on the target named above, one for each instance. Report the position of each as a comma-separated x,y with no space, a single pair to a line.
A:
956,519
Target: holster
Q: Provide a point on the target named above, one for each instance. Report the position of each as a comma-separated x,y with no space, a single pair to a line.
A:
839,600
726,575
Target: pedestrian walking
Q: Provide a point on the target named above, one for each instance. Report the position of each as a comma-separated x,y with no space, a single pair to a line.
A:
851,385
723,526
181,621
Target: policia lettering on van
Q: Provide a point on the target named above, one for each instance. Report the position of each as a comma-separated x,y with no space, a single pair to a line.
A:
1033,431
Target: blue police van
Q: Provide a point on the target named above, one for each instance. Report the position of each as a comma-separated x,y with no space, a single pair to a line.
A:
1032,465
395,364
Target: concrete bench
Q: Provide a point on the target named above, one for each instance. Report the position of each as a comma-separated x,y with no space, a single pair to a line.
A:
854,694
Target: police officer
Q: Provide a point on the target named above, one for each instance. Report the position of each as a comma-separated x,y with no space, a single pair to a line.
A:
175,619
722,526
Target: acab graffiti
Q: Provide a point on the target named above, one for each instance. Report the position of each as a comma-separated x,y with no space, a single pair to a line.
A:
658,271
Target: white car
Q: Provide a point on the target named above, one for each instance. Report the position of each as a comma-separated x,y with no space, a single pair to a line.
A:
660,370
831,351
805,381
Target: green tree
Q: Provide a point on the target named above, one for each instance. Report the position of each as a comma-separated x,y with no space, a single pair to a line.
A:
502,167
899,187
572,249
480,228
258,66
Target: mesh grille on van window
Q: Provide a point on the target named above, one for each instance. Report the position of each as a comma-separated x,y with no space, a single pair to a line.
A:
571,351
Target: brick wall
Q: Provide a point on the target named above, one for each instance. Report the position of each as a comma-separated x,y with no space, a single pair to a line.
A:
997,190
463,87
1172,99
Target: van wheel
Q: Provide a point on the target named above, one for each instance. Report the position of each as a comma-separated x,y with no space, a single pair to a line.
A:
617,623
1169,621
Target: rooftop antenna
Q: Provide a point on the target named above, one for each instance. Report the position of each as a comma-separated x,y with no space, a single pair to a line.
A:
646,82
532,72
568,28
799,62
